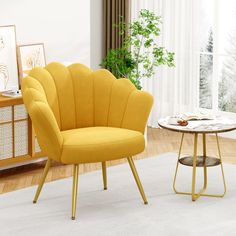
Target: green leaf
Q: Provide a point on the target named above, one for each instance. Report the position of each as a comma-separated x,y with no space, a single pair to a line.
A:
141,36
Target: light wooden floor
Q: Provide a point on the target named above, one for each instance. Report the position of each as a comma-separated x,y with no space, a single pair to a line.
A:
159,141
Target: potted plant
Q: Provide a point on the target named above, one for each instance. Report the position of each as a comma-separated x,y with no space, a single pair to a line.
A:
140,53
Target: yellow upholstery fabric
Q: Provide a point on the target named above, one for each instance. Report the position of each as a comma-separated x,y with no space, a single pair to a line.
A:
83,90
44,122
80,115
65,94
46,80
100,143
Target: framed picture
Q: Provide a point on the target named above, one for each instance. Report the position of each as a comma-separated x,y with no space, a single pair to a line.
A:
8,58
30,56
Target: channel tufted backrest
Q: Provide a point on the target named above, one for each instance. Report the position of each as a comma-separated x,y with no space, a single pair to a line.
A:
79,97
60,98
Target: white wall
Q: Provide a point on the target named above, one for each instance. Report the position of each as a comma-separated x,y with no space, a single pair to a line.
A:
62,25
96,43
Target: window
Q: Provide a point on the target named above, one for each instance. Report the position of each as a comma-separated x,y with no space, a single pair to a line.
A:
217,75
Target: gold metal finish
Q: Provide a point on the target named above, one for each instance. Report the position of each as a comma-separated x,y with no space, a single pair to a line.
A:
195,195
42,180
136,177
177,164
104,175
75,190
204,161
222,169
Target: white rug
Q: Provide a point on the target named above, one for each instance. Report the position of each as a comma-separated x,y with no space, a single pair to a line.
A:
119,210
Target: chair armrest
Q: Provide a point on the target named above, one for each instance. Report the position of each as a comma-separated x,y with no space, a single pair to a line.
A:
44,122
137,111
46,129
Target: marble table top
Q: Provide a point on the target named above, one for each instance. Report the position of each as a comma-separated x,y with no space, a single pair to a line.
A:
217,125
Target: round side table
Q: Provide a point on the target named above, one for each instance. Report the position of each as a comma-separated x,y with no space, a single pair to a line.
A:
200,127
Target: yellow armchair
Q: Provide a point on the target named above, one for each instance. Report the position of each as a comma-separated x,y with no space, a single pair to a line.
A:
84,116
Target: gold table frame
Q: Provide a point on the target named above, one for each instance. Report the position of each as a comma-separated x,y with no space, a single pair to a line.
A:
194,161
195,195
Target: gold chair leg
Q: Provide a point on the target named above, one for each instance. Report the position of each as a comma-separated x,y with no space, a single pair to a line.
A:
104,175
136,177
42,180
74,190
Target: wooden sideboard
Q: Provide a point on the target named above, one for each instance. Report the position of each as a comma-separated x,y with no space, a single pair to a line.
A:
17,139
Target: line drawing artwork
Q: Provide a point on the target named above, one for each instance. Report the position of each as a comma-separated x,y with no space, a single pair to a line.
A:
34,59
8,59
2,43
31,56
4,75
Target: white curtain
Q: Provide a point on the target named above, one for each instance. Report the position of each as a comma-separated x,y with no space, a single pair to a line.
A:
175,90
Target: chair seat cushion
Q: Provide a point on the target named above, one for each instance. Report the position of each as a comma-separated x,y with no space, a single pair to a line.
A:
96,144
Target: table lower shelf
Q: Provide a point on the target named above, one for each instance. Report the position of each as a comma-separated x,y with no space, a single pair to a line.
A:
209,161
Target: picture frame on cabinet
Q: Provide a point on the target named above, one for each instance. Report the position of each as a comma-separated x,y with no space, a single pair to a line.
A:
29,57
8,58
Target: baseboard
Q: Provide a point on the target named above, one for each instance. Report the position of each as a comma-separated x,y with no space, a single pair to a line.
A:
22,163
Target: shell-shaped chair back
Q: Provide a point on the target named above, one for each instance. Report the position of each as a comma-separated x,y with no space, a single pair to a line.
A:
79,97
